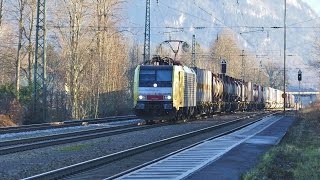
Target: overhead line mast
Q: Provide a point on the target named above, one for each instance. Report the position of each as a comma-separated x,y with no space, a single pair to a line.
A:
40,76
194,64
146,50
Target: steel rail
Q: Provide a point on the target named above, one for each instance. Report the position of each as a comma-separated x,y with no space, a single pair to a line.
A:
60,135
63,124
90,164
58,139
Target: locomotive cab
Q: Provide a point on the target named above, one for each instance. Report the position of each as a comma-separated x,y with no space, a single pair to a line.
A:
164,88
153,90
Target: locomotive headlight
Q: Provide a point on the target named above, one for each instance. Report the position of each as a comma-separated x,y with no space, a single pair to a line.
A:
141,97
155,85
168,97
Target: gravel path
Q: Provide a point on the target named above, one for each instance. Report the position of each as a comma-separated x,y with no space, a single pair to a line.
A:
28,163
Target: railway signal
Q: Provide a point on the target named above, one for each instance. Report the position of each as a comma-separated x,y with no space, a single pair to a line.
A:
299,75
299,79
223,66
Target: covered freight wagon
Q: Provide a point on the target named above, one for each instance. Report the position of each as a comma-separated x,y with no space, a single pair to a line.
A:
204,90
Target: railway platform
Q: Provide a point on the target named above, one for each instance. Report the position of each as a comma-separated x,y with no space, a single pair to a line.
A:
243,157
227,157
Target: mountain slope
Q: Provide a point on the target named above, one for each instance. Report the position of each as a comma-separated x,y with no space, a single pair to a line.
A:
258,24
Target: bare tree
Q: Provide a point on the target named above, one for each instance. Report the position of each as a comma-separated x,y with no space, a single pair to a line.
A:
274,73
28,34
111,58
7,54
87,58
7,65
21,7
204,60
73,35
1,11
240,63
22,29
226,47
92,48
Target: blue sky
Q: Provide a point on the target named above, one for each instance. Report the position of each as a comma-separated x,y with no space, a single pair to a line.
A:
315,4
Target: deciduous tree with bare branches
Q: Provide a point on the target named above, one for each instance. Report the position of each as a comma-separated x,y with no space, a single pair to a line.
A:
274,73
1,11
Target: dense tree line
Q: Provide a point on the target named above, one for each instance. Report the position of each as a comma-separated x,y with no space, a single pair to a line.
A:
87,56
241,63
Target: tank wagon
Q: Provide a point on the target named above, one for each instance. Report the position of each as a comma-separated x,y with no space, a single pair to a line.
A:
166,88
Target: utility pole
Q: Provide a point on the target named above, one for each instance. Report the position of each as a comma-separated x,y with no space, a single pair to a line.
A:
242,66
146,50
284,57
260,67
194,51
40,87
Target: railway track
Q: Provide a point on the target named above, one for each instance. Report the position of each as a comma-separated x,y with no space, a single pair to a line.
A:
19,145
98,162
63,124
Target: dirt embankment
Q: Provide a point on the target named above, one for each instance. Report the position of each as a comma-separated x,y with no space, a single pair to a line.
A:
12,113
5,121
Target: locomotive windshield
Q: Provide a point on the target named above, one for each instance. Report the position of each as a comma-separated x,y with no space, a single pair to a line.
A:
163,77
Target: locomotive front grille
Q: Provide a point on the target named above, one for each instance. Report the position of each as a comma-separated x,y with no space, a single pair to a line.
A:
158,105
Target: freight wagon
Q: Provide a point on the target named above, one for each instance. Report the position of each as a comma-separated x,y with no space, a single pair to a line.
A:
166,88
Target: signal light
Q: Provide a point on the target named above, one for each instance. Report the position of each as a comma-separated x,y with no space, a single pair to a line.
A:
299,75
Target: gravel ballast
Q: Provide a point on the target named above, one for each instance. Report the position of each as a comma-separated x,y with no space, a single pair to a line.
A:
39,133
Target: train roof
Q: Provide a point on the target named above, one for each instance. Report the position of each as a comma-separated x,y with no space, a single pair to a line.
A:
169,67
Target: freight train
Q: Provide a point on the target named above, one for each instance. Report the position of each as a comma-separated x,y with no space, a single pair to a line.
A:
166,88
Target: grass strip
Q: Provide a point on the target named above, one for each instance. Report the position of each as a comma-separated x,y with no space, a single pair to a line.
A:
298,154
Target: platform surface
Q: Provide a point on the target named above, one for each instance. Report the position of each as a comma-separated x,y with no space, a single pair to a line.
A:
226,157
245,156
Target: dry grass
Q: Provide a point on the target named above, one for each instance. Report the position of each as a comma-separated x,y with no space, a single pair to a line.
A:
298,155
311,108
72,148
6,121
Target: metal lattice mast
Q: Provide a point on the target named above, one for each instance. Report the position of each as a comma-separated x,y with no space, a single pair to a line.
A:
242,66
40,90
260,68
146,50
194,50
